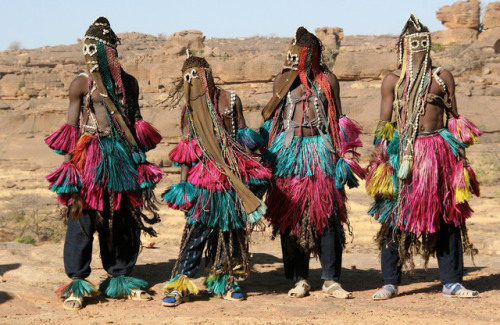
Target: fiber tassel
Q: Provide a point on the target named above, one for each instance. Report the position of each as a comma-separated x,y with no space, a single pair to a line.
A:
63,140
186,152
147,135
77,288
121,286
384,131
344,175
473,181
249,139
405,168
461,183
180,196
149,175
257,214
380,184
65,179
464,130
181,283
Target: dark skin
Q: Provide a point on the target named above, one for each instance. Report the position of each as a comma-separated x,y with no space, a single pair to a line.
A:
433,117
78,89
298,90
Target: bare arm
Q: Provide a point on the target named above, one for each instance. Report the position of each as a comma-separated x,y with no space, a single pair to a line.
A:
387,92
77,89
450,86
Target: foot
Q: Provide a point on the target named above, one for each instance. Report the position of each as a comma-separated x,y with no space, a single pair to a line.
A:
174,299
333,289
451,290
388,291
138,294
234,295
300,290
73,303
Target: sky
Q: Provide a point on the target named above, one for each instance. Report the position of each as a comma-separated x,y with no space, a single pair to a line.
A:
39,23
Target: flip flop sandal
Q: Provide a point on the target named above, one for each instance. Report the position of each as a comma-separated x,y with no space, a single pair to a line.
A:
459,291
174,299
234,295
139,295
300,290
388,291
336,291
73,307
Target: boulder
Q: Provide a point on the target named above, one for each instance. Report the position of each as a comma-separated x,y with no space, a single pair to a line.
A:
177,43
491,17
455,35
461,14
330,36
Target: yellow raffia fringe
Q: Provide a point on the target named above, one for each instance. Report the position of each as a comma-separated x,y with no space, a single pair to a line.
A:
473,137
380,185
183,284
385,132
462,194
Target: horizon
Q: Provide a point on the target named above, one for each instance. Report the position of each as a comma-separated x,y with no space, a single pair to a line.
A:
64,22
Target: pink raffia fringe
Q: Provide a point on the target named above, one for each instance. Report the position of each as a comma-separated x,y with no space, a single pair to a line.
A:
464,130
429,192
186,152
63,139
147,136
291,197
350,142
149,172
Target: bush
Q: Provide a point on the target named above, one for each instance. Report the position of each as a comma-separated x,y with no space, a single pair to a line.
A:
25,240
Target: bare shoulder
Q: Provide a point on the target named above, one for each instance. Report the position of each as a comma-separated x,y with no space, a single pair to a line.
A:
78,86
390,80
446,76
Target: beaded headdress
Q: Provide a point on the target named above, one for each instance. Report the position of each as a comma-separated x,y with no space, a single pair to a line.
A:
412,88
303,61
101,58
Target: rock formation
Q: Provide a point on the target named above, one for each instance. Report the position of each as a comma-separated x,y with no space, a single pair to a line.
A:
463,20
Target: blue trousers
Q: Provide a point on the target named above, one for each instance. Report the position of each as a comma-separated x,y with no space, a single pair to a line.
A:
119,250
190,260
448,252
296,260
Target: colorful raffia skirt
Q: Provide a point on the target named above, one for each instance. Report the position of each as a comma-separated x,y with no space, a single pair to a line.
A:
303,191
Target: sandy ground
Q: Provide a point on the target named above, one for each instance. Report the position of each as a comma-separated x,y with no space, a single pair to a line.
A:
29,274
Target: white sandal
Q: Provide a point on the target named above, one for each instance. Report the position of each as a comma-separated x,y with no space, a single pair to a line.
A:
73,307
458,290
387,292
300,290
139,295
336,291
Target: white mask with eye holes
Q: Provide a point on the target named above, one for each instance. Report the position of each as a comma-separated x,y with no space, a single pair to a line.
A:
190,75
89,49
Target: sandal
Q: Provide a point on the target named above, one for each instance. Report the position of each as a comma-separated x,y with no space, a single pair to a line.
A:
73,303
300,290
453,290
336,291
174,299
388,291
138,294
234,295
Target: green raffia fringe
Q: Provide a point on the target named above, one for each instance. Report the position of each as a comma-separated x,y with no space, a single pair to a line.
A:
122,285
77,288
218,284
383,131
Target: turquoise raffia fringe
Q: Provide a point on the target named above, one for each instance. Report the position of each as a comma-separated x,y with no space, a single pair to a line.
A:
217,284
122,285
78,288
178,193
250,139
344,175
